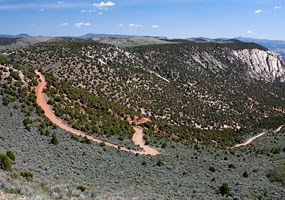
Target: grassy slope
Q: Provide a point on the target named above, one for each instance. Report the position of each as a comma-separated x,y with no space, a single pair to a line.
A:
184,173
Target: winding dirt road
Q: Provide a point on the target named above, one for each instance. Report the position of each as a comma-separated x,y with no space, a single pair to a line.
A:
250,140
137,137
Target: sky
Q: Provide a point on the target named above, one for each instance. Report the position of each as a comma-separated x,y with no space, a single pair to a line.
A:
262,19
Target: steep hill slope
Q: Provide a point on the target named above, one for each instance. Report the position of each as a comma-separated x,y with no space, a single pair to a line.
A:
213,85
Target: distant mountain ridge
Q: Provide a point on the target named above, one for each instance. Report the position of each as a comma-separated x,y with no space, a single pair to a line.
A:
278,46
117,36
265,42
21,35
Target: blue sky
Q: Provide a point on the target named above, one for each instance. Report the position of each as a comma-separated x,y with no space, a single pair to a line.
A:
171,18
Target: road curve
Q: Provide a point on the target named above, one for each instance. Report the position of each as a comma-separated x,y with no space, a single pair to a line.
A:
250,140
137,137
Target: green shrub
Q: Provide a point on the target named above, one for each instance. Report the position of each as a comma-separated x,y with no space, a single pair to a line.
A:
245,174
47,133
159,163
164,145
102,144
74,137
54,139
11,155
27,121
28,128
224,189
14,175
275,150
6,100
15,75
277,174
231,166
27,175
5,162
121,137
212,169
144,163
82,188
87,141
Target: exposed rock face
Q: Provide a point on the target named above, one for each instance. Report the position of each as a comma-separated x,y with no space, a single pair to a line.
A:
262,65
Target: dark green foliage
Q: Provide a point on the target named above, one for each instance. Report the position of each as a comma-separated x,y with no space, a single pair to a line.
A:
86,140
224,137
102,144
144,163
15,75
75,137
277,174
28,128
275,150
5,163
82,188
11,155
85,117
54,139
212,169
6,100
224,189
27,175
232,166
159,163
245,174
41,130
14,174
27,121
272,122
3,60
47,133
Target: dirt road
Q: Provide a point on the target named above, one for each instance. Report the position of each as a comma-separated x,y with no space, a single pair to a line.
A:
137,137
250,140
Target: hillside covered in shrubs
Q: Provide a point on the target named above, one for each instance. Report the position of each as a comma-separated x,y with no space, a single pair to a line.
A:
201,98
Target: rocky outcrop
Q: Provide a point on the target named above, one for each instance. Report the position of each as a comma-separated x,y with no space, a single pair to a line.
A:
262,65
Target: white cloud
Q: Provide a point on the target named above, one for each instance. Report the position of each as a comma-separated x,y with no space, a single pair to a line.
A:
60,2
104,5
41,10
65,24
154,26
250,32
277,7
80,24
258,11
135,25
88,11
121,25
100,13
